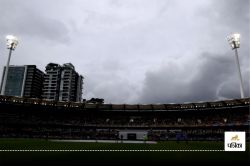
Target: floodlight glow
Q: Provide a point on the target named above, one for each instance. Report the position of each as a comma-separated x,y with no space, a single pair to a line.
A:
11,45
234,40
12,42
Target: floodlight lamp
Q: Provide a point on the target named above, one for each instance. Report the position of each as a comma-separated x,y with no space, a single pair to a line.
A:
12,42
234,40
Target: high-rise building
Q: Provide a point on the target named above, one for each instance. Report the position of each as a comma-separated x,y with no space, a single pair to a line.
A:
51,84
62,83
79,88
23,81
68,84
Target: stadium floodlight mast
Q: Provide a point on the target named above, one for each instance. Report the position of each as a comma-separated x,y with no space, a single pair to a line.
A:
234,41
11,45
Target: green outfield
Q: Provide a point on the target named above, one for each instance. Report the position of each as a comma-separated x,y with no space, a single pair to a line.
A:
130,153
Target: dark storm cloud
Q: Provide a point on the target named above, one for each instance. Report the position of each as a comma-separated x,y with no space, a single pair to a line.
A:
22,19
233,16
211,80
215,75
217,78
134,51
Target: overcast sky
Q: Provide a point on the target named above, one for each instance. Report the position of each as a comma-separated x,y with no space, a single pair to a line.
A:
135,51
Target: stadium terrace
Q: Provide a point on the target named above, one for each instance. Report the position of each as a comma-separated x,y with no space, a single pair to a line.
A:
38,118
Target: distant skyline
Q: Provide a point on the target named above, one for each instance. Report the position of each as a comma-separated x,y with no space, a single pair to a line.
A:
135,51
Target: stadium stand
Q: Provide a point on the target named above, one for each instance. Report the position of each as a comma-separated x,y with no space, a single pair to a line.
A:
36,118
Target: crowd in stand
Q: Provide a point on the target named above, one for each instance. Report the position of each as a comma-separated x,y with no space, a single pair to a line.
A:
235,118
207,125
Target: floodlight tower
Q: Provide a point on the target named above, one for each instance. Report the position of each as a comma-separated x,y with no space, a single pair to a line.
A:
11,45
234,41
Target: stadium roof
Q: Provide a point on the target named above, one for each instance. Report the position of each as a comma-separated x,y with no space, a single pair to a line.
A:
125,107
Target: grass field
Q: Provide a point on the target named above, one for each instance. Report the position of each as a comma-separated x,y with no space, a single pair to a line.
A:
112,157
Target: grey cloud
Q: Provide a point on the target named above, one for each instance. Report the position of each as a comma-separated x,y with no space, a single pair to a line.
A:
216,70
135,51
113,89
230,89
235,16
23,20
168,85
233,12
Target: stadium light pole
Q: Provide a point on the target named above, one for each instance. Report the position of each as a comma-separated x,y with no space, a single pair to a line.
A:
234,41
11,45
